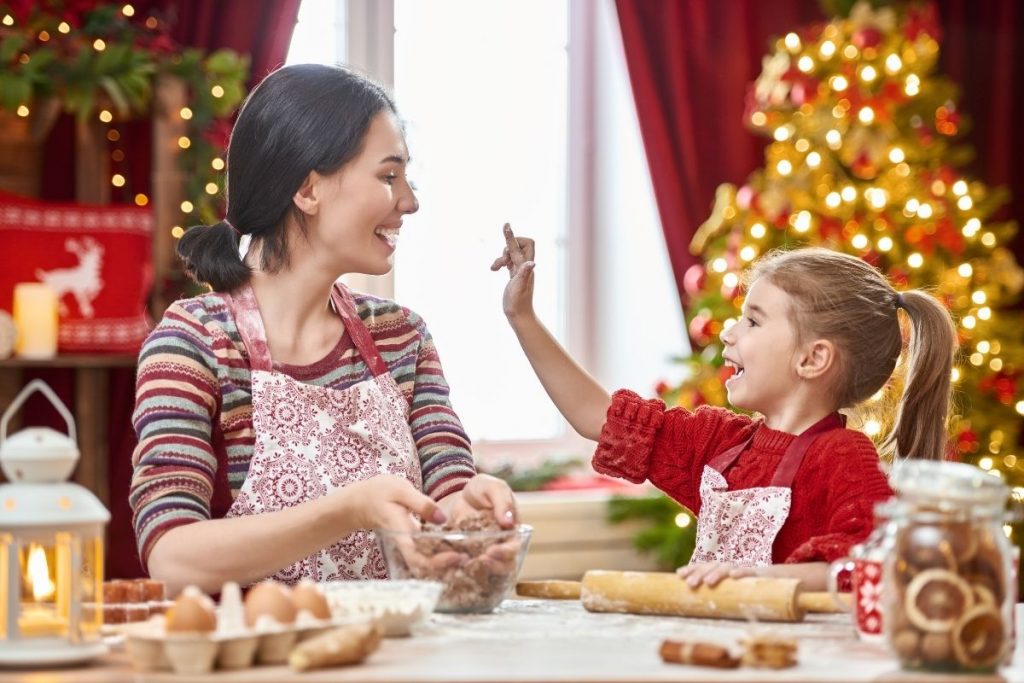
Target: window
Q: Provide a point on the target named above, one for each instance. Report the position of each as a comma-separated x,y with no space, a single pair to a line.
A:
518,111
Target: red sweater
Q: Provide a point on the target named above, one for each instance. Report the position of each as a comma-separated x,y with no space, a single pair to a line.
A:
834,491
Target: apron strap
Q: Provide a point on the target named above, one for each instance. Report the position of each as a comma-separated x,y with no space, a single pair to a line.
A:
250,327
361,337
792,458
254,335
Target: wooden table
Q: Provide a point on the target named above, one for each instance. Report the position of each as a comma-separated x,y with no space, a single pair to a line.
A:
542,640
90,408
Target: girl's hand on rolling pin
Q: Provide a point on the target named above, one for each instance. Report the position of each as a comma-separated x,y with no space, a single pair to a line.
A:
518,258
711,573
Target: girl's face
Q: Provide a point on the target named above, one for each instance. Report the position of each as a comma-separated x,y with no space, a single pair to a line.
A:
762,347
359,209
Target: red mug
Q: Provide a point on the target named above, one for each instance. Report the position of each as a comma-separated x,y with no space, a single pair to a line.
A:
866,599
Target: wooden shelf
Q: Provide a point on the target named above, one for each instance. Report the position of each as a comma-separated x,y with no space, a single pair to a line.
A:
73,361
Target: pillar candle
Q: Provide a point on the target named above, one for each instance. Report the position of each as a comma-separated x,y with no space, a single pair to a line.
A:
35,317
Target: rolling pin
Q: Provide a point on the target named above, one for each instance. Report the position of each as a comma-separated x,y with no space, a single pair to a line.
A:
760,598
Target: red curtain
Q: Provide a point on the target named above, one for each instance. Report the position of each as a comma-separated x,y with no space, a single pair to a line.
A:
690,62
260,28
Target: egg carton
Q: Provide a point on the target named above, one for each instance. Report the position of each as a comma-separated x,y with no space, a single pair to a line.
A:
152,648
233,645
395,606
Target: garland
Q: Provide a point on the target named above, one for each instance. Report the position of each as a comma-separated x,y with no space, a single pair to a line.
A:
100,59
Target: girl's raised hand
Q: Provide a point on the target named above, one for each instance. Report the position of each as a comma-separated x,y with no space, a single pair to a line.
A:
518,258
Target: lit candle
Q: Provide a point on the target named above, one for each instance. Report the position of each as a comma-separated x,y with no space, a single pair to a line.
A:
35,318
39,618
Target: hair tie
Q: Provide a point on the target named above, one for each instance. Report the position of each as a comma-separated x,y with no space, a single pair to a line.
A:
899,300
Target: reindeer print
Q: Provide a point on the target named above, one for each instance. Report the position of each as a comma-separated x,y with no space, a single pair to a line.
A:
83,281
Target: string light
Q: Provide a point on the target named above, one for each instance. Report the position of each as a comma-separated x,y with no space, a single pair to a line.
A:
959,188
99,45
683,520
211,188
839,83
985,463
859,241
868,73
782,133
757,230
23,111
872,427
758,118
177,231
802,221
141,199
44,36
814,160
850,51
784,167
748,253
64,27
965,270
896,155
885,244
912,86
848,193
996,364
955,376
719,265
866,115
802,145
969,322
834,139
1019,407
128,11
106,116
805,64
893,64
964,203
184,142
792,42
988,239
925,210
185,113
117,180
8,20
915,260
832,200
217,91
827,49
217,164
971,227
978,297
186,206
731,280
984,313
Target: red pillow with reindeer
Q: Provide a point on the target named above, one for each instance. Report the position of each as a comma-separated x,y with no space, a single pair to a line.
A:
97,258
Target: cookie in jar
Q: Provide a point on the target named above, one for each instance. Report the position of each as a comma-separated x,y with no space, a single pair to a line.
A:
949,604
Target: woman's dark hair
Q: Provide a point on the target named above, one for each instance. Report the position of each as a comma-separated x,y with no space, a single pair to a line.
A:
299,119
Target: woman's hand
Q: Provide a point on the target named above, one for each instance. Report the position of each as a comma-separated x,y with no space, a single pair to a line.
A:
712,573
484,493
387,502
518,258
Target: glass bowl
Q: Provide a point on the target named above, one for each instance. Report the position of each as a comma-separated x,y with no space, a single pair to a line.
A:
476,568
395,606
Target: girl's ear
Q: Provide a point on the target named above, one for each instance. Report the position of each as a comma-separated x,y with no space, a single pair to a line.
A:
306,198
818,358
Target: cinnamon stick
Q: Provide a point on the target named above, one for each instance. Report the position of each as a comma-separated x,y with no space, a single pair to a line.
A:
697,654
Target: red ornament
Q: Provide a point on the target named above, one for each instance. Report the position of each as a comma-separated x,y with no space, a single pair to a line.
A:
804,91
694,279
867,37
701,329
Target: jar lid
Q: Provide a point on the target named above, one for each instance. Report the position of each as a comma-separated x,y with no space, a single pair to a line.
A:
947,484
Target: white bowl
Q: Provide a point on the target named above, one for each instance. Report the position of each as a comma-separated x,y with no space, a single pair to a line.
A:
396,606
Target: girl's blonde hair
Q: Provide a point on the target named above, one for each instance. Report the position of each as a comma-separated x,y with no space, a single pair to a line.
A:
845,300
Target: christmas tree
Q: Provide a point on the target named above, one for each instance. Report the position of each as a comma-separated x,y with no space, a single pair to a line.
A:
863,160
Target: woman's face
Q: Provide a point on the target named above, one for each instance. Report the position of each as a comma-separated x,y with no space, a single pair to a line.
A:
360,207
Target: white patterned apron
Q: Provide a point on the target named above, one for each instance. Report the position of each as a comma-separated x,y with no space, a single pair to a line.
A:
312,440
740,526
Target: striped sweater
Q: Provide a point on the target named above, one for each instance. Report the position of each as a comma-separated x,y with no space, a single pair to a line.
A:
193,409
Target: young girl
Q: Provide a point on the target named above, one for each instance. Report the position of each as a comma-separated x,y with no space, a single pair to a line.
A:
786,493
281,417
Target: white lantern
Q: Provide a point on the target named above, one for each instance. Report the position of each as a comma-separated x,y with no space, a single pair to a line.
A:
51,547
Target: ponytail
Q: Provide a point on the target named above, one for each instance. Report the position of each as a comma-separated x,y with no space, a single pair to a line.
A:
210,253
919,428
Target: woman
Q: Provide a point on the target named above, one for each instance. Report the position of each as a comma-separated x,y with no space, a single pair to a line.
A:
281,417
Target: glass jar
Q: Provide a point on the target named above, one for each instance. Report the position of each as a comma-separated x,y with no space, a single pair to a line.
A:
948,596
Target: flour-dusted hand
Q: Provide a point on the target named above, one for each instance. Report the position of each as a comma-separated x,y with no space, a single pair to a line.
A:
518,258
712,573
388,502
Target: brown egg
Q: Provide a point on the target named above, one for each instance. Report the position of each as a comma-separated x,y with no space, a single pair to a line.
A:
192,611
310,597
269,599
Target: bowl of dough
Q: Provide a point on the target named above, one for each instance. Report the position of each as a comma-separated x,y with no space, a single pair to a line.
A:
474,559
